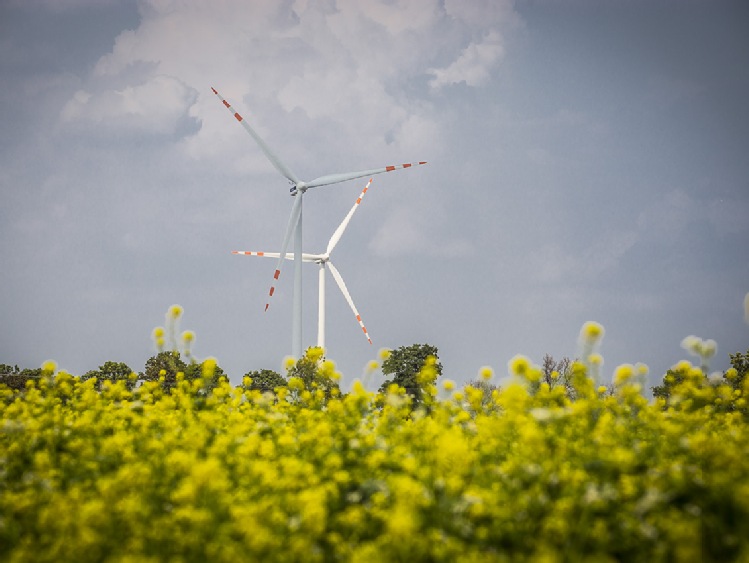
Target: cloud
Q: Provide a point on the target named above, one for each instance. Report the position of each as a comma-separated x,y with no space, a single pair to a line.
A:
158,106
474,64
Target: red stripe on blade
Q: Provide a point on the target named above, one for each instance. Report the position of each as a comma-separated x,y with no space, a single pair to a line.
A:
406,166
389,168
239,117
225,103
214,90
270,293
278,273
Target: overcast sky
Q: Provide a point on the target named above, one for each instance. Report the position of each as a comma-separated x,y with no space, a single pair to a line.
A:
588,160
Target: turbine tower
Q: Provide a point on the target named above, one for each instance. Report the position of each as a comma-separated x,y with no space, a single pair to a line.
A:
324,261
294,226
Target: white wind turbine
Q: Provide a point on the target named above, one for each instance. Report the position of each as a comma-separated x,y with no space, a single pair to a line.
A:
324,261
294,226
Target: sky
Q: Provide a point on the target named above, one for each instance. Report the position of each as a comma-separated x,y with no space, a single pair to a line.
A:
587,160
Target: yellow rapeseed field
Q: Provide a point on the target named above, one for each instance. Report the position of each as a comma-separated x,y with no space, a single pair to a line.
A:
527,474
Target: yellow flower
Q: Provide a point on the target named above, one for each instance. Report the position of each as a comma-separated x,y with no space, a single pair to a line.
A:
591,332
158,332
188,336
50,366
175,311
623,373
315,353
209,367
448,385
486,373
519,365
372,366
384,354
595,359
288,363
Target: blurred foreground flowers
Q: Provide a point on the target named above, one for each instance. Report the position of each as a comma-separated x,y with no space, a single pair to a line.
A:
202,471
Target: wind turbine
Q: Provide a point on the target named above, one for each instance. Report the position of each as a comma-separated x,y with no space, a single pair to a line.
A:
294,226
324,261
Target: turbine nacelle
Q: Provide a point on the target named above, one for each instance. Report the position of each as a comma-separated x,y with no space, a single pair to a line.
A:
299,187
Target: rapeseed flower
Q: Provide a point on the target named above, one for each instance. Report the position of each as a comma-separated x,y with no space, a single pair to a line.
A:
519,365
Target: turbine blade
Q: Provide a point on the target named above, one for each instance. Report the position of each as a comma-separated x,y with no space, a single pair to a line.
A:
342,227
339,280
253,253
279,165
289,255
335,178
290,228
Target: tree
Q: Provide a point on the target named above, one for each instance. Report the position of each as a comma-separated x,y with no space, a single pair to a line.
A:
197,370
739,363
16,378
264,380
315,372
404,365
112,371
487,389
557,373
733,376
166,365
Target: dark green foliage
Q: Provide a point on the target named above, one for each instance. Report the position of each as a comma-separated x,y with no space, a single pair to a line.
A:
314,373
111,371
739,362
194,371
265,380
403,366
166,365
16,378
733,377
670,381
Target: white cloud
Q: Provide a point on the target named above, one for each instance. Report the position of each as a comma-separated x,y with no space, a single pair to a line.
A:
156,106
473,66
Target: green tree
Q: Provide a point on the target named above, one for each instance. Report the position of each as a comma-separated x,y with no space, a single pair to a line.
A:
16,378
112,371
739,363
670,381
733,376
197,370
404,365
264,380
164,364
315,372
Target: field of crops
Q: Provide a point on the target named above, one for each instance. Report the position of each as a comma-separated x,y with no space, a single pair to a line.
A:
525,473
